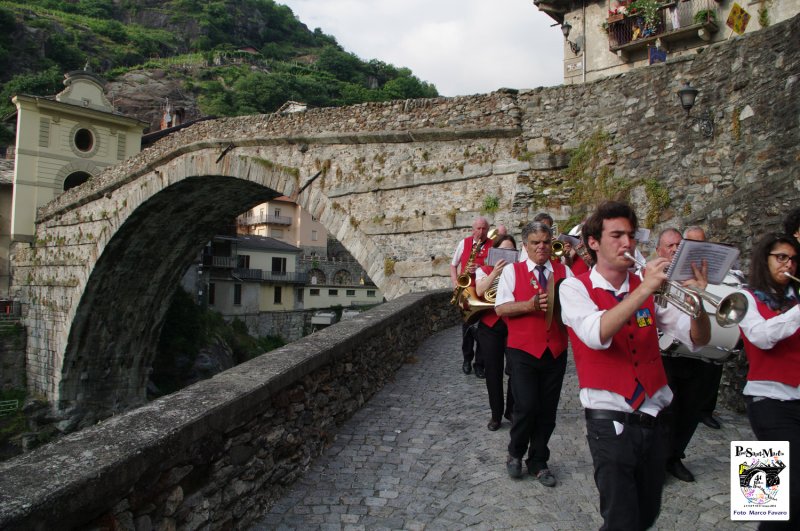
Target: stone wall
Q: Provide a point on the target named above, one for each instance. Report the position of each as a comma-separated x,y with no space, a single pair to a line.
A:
12,357
215,454
290,326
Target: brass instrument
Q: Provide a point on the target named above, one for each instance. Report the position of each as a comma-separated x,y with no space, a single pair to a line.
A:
557,250
786,273
729,311
464,280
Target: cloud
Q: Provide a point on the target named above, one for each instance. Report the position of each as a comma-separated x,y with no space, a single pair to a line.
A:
461,46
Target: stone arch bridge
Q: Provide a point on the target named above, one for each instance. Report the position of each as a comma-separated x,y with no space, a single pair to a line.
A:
397,184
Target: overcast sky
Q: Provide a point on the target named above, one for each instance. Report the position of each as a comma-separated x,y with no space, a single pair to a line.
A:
461,46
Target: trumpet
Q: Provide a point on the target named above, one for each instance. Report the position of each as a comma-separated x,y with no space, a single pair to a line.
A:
556,250
729,310
786,273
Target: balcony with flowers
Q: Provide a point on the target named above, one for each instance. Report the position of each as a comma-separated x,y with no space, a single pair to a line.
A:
637,24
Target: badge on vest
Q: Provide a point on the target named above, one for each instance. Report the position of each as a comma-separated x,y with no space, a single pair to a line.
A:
644,318
534,284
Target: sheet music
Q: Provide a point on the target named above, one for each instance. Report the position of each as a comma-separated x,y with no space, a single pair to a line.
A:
496,254
720,258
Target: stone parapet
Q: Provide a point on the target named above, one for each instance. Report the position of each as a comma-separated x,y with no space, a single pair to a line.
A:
214,455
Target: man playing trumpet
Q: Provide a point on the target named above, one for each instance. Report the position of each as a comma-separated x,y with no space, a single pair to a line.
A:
611,317
536,354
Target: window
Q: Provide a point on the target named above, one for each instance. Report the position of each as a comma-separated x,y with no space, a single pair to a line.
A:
277,212
237,294
278,265
243,261
75,179
277,296
370,293
313,235
351,293
276,233
314,292
300,292
333,292
211,293
84,140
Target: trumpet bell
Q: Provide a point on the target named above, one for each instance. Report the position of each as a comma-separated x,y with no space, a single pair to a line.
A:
471,305
557,249
730,310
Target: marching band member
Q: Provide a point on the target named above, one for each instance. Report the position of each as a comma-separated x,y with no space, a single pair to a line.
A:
712,370
771,334
791,225
536,355
460,263
685,377
491,336
611,318
541,217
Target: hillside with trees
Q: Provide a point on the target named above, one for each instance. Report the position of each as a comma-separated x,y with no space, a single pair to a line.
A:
212,57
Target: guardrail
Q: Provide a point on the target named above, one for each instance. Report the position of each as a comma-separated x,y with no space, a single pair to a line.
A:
8,407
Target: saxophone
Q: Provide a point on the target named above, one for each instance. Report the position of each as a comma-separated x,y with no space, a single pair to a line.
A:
463,280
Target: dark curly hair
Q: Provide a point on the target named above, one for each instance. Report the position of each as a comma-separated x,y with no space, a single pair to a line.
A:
791,225
760,277
593,226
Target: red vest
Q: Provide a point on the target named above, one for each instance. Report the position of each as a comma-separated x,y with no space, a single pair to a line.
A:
633,354
529,332
489,317
781,363
480,256
579,267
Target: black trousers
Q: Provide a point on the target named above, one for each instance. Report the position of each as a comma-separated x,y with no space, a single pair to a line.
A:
686,377
777,420
629,473
492,350
536,386
468,344
712,375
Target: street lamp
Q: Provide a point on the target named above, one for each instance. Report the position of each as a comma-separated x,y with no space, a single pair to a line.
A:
574,46
687,96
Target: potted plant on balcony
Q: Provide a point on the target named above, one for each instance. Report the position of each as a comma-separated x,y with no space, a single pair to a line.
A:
647,10
705,16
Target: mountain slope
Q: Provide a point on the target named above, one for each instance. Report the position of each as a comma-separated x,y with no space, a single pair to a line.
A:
221,57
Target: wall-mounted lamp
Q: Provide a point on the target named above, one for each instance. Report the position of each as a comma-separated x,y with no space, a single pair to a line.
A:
574,46
688,95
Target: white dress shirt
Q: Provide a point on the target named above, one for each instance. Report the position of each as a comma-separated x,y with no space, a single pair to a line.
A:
505,288
579,312
457,255
765,333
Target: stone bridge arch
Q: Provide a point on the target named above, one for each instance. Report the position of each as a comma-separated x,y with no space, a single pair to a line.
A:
108,255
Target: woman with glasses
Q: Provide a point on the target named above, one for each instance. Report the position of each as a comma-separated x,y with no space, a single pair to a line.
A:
771,334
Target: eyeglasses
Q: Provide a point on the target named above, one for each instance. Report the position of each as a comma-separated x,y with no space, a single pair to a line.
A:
783,258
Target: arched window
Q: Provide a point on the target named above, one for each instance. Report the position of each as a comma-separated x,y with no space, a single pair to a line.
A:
342,277
317,276
75,179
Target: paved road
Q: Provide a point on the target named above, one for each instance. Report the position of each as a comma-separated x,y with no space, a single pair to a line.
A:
419,456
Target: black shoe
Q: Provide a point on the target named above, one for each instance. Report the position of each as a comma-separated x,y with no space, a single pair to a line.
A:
493,425
546,477
711,422
676,468
466,367
480,372
514,467
508,417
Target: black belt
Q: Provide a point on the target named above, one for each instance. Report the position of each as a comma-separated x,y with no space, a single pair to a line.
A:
637,418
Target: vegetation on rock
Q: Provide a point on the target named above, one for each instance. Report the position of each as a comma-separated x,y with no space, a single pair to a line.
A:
233,57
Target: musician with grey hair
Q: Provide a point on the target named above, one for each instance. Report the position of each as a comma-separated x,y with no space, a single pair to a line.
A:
470,254
535,352
686,380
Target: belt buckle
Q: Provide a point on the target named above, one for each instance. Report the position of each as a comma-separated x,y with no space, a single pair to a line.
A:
642,419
